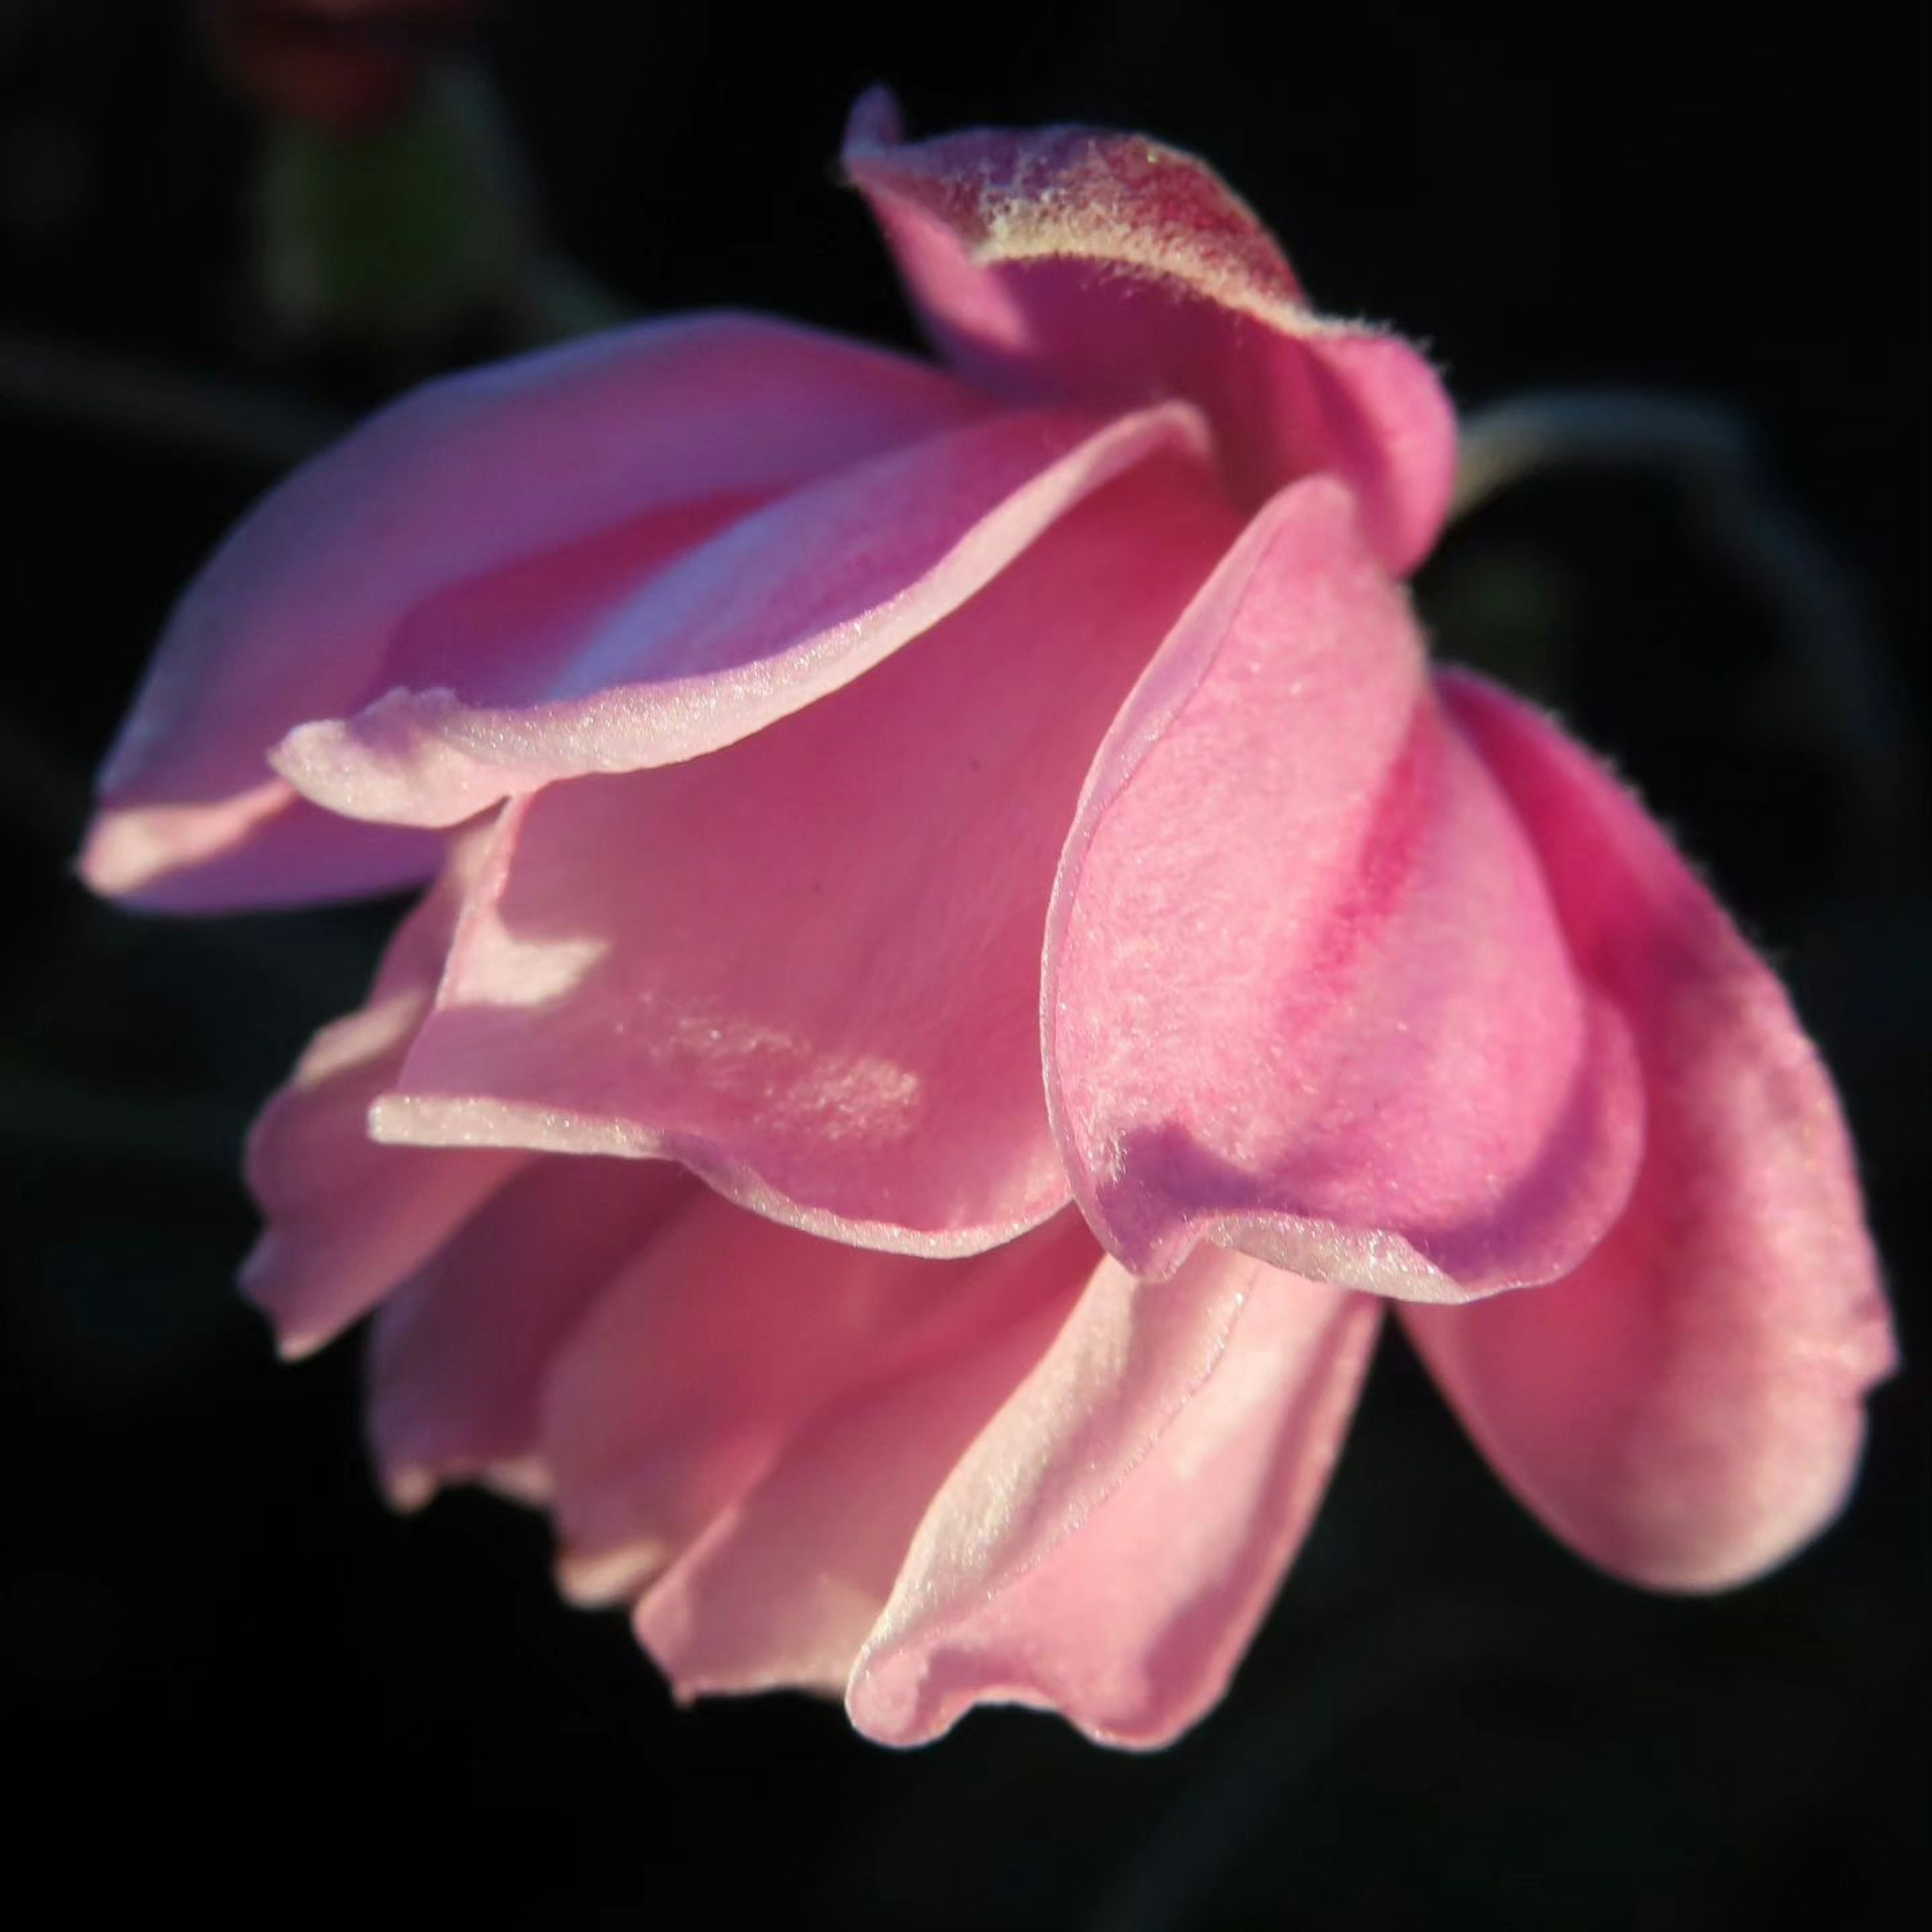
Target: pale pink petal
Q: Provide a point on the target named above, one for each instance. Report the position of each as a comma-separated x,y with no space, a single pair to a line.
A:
1686,1409
296,616
785,605
1066,261
1107,1546
348,1220
808,966
1306,991
814,1461
458,1354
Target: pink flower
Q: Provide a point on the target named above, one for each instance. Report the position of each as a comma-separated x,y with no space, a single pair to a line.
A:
970,958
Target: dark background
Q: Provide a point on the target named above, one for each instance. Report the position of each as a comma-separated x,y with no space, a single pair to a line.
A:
223,1659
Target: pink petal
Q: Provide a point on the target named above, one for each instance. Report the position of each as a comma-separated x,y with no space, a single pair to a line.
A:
784,607
348,1220
1107,1546
1306,992
721,1345
1686,1409
794,1568
458,1354
296,616
1069,262
808,966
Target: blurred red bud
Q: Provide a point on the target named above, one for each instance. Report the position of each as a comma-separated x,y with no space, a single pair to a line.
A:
347,65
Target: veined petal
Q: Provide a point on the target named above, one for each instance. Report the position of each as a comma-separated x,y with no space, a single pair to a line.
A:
618,441
348,1220
1068,262
808,966
1306,992
458,1354
785,606
1109,1543
1687,1409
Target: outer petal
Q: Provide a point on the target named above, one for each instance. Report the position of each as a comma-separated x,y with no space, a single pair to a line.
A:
348,1219
1068,261
1109,1545
782,608
808,966
458,1354
1686,1409
1306,992
790,1576
297,616
727,1341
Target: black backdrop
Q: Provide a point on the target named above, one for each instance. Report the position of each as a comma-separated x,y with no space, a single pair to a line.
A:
225,1662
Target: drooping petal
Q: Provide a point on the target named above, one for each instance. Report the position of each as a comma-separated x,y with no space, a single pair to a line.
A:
1109,1545
618,443
727,1340
1066,261
1306,991
458,1354
808,966
348,1220
1686,1409
783,606
791,1572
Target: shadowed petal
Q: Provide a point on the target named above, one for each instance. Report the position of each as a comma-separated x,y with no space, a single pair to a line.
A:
808,966
620,440
1068,261
794,1568
1306,992
458,1354
348,1219
1685,1409
1109,1545
728,1341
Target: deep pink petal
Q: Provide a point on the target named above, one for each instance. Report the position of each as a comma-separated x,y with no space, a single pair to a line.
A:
1305,991
1068,263
458,1355
785,606
810,1516
1109,1545
1686,1409
348,1220
296,616
808,965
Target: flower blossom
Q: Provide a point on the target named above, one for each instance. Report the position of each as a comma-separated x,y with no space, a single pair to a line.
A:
968,958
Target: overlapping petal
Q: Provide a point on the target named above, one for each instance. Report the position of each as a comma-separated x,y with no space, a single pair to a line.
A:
459,1354
782,608
808,966
1687,1408
1108,1544
1306,991
1069,262
597,461
348,1220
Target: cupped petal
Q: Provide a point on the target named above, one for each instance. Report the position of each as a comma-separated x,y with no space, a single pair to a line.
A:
1306,992
800,1556
722,1345
618,441
1687,1409
459,1354
1069,262
808,966
785,606
1109,1545
347,1219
